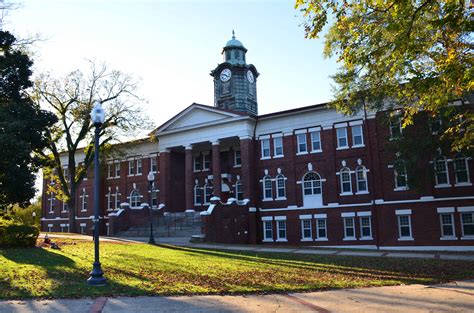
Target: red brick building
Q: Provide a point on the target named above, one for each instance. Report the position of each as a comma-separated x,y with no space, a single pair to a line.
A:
308,176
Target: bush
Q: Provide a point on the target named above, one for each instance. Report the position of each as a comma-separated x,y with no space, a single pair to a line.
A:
13,234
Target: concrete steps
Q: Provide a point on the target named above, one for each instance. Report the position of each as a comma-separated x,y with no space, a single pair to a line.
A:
180,224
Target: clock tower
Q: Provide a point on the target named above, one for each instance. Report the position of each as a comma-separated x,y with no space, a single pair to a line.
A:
235,81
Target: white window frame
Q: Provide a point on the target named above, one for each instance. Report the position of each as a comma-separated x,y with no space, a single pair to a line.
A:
266,187
207,193
301,139
396,174
139,167
64,208
110,200
395,121
362,144
135,199
110,170
466,164
362,237
462,211
84,201
363,169
197,194
400,237
280,177
206,161
445,172
312,135
265,147
338,137
117,169
153,164
117,195
267,221
237,156
50,228
277,143
346,237
303,228
442,224
319,238
82,228
281,226
342,181
51,200
239,194
131,167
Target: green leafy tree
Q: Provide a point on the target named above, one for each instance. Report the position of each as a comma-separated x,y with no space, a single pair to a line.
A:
23,125
415,55
70,143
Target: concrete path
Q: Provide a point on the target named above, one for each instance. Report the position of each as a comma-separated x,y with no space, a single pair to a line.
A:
452,297
184,242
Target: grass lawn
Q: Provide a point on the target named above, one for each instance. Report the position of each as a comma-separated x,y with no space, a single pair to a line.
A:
140,269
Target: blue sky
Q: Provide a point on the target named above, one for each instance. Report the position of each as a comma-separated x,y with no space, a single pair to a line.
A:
172,46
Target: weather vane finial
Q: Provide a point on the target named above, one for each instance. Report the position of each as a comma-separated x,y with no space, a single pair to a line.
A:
233,34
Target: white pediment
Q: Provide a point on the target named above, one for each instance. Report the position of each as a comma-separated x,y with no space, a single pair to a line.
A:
196,115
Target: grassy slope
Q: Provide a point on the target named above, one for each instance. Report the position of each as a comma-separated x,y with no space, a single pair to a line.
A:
140,269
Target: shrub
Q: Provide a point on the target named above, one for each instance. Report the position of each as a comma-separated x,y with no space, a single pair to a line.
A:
13,234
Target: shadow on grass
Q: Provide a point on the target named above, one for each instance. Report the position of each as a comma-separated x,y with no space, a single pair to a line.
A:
53,275
403,270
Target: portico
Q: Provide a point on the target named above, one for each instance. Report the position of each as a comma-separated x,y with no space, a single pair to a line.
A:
214,161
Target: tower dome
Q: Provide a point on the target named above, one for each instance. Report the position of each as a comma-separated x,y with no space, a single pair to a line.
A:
234,51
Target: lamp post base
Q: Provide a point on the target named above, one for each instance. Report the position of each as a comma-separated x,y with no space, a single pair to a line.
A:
151,241
97,276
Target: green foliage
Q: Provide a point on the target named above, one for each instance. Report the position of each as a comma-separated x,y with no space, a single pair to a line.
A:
169,270
25,215
14,234
22,126
411,54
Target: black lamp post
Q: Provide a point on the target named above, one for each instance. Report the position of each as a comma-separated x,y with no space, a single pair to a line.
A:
33,215
151,179
97,275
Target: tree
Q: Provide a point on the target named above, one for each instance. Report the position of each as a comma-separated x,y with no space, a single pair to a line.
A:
71,99
23,125
415,55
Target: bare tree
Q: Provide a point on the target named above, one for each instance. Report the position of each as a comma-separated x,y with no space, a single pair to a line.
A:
71,99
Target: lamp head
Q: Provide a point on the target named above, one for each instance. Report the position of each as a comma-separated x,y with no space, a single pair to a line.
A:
33,214
98,113
151,176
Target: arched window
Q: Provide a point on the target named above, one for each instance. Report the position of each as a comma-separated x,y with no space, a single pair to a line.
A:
311,184
441,171
135,198
461,169
239,193
346,182
280,186
197,195
400,173
361,176
207,193
267,188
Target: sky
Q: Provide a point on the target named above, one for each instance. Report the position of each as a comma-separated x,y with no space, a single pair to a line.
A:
171,47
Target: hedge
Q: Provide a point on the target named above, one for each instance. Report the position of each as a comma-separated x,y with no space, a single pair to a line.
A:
13,234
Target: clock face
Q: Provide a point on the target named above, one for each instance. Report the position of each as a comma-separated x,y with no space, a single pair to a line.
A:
250,77
225,75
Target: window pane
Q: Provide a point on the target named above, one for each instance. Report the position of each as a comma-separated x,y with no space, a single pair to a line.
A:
316,141
302,143
341,137
357,135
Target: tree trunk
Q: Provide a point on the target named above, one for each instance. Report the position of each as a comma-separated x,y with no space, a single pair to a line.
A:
71,204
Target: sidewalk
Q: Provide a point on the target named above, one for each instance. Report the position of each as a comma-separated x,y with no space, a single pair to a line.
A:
452,297
184,242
